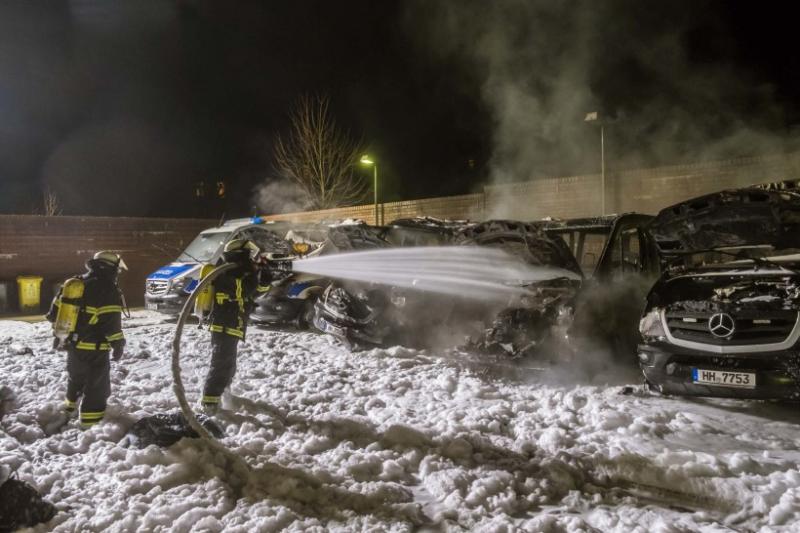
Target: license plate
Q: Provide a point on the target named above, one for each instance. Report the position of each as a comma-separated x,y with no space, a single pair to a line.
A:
723,378
327,327
151,306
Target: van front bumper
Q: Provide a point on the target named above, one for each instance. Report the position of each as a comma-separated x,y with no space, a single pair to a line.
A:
170,304
670,369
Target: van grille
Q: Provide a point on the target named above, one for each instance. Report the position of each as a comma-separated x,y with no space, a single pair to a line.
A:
753,327
157,287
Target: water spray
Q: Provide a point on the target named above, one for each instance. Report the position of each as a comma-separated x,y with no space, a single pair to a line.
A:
477,272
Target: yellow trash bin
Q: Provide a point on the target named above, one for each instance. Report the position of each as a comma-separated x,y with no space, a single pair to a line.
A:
30,293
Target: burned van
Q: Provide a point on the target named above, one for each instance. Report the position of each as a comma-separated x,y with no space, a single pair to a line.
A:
722,320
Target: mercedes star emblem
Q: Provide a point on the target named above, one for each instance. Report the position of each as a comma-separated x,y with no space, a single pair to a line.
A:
721,325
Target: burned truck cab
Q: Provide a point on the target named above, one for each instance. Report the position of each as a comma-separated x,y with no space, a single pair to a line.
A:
723,318
609,247
620,263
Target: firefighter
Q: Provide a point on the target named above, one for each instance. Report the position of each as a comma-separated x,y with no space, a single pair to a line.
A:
233,292
94,330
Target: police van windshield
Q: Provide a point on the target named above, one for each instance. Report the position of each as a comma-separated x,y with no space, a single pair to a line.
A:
203,246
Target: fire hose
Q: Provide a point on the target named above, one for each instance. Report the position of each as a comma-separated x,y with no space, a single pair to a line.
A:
177,381
239,473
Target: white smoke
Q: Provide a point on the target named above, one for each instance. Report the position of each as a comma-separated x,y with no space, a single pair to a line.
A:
544,65
280,196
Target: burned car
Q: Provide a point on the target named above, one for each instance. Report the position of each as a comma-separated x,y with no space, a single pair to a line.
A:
723,320
363,315
544,315
355,313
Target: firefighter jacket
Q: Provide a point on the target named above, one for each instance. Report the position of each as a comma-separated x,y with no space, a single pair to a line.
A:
99,325
234,295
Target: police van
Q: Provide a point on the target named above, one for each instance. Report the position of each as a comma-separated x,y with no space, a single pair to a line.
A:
167,288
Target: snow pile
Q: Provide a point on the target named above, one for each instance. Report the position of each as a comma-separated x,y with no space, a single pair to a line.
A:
390,440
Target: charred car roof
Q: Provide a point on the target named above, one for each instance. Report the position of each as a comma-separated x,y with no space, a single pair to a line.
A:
430,224
604,221
538,247
731,218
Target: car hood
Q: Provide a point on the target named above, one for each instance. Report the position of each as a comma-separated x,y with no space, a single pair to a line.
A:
174,270
732,218
714,291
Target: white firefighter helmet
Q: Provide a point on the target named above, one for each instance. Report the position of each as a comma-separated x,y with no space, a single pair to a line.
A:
240,247
111,258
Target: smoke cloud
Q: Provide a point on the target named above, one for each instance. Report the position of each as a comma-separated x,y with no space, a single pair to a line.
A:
280,196
544,65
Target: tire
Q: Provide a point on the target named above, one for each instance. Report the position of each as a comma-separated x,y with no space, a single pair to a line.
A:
305,320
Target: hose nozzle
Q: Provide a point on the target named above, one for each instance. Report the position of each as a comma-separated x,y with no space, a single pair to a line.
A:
281,265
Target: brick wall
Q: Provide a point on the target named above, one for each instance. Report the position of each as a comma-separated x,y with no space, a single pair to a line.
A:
467,206
57,247
643,190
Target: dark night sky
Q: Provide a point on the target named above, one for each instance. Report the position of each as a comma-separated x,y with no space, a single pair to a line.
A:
121,105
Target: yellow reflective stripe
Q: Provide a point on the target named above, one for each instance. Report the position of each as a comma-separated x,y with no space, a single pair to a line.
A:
92,346
230,331
239,294
115,337
221,297
235,332
210,399
263,288
93,415
69,403
104,310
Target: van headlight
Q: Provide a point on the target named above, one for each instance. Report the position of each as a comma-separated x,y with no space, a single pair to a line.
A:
181,284
651,325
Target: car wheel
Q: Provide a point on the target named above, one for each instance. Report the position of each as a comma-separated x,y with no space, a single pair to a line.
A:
306,319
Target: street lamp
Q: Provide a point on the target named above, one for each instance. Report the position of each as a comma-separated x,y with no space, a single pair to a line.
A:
365,160
595,117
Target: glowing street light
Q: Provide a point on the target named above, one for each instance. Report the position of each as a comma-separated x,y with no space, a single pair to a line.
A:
594,116
365,160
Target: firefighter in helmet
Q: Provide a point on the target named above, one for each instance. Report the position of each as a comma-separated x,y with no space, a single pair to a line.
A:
87,321
233,292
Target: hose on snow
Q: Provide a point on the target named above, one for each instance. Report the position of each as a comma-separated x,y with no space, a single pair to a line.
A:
177,381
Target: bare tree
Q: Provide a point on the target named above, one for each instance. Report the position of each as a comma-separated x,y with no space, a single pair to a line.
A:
50,203
320,157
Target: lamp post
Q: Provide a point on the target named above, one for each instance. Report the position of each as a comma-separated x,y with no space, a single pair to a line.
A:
365,160
595,117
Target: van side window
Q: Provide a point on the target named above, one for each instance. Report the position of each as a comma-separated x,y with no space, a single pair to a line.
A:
586,246
625,253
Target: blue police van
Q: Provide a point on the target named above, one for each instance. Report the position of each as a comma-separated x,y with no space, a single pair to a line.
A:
167,288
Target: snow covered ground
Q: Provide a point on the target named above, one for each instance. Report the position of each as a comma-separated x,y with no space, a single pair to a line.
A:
390,440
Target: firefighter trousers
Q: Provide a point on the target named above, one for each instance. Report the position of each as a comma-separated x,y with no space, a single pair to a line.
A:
88,378
223,366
